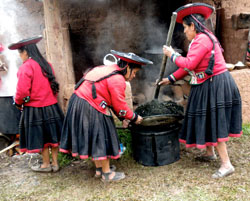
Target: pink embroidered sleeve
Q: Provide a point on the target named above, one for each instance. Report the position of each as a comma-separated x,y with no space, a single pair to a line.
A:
195,55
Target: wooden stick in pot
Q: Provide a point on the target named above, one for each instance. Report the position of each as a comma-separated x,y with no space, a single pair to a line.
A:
164,59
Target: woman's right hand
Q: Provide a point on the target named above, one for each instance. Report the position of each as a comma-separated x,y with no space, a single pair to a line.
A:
164,81
139,120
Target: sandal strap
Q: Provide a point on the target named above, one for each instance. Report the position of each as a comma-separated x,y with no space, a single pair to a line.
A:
106,175
98,169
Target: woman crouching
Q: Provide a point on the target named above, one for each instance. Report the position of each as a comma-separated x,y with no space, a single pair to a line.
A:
89,129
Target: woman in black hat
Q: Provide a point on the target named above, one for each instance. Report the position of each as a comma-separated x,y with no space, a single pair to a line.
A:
214,106
36,95
89,129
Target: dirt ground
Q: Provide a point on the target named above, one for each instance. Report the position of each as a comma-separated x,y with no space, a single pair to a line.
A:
186,179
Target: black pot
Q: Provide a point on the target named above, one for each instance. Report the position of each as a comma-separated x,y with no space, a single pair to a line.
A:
156,145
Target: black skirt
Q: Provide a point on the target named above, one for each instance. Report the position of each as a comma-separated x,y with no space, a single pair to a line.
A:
213,112
88,133
9,116
40,127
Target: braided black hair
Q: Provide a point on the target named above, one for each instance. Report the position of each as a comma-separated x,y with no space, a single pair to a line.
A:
199,28
35,54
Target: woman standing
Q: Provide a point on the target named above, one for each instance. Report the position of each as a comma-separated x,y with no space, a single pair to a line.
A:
89,129
36,95
214,106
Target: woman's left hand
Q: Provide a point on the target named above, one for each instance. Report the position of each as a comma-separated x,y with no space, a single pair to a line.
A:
125,123
168,50
164,81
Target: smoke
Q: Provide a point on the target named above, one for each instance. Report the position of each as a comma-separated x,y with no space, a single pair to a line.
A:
131,26
134,26
8,34
17,23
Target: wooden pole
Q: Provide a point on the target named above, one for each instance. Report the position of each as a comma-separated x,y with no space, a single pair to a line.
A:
58,48
164,59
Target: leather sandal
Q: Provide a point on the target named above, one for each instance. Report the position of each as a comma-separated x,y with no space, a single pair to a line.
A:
118,176
206,158
99,170
218,174
37,168
55,168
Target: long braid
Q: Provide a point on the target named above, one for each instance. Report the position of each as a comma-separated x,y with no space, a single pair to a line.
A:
35,54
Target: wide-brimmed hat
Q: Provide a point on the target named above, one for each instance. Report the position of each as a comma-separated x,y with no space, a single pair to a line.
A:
24,42
194,8
131,58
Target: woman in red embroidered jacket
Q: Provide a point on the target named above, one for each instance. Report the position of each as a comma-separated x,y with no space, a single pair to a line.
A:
89,129
36,95
214,105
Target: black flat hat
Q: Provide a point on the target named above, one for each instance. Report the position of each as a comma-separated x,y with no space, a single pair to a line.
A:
131,58
24,42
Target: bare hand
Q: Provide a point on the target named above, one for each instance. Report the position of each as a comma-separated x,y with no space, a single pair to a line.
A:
164,81
139,120
168,50
125,123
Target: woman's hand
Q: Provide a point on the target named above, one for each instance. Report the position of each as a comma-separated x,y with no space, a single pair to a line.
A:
125,123
164,81
168,51
139,120
19,107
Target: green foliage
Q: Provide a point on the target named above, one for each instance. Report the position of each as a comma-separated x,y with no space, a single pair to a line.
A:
246,129
64,159
126,139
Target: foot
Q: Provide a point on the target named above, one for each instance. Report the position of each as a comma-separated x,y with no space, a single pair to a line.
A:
98,172
223,172
55,168
39,168
112,176
206,158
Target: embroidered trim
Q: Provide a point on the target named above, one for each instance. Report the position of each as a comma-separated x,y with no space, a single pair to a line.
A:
171,78
103,104
174,56
122,113
134,118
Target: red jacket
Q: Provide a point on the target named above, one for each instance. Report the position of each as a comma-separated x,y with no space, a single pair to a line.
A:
32,83
198,57
110,91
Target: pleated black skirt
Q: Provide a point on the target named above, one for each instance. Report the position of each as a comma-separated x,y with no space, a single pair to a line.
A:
40,127
88,133
9,116
213,113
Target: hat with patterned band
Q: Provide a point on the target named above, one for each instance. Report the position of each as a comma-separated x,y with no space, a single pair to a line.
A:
24,42
131,58
194,8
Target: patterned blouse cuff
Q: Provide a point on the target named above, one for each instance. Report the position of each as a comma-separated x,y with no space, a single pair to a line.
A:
174,56
171,78
134,118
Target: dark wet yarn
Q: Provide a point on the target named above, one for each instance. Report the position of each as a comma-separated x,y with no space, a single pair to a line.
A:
156,107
